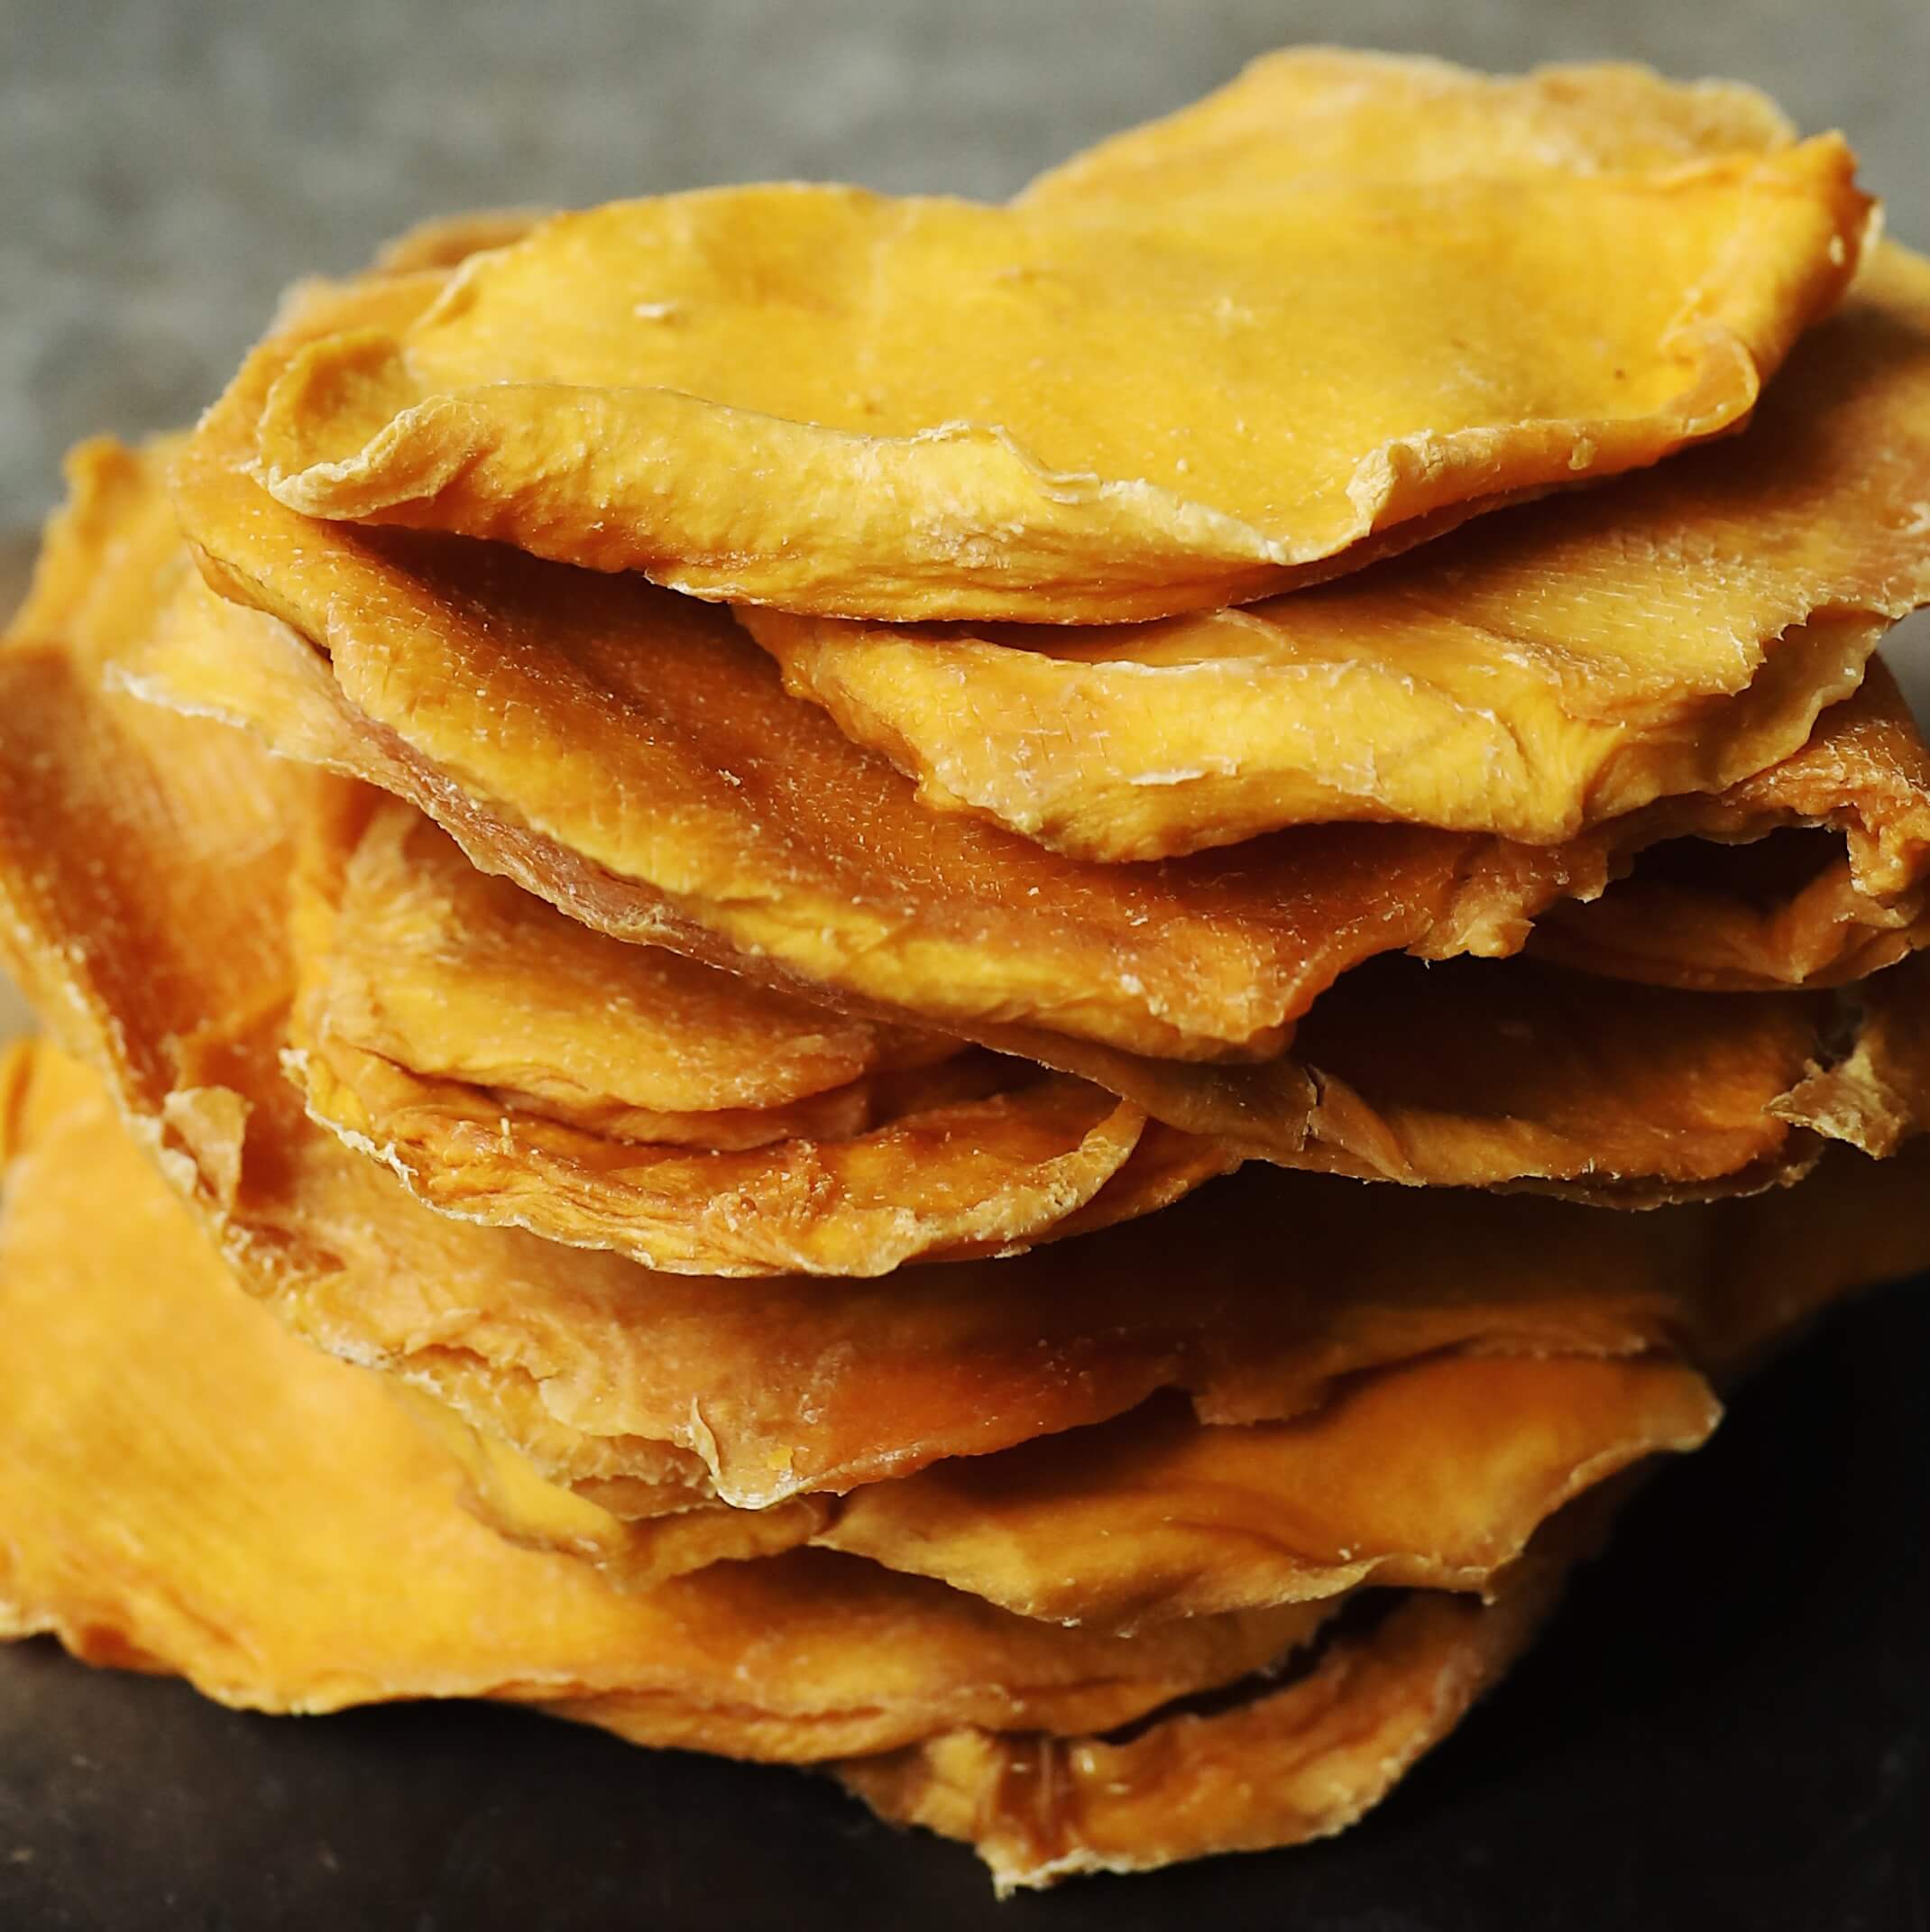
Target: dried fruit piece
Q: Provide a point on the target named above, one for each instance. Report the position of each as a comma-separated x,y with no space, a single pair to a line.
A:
1430,1475
517,1068
1287,1765
1401,117
1062,414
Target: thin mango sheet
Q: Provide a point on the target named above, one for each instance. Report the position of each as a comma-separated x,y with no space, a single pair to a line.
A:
1530,674
515,1068
268,1524
251,1509
1319,111
416,956
1794,911
185,1486
1063,414
1285,1766
1432,1474
1475,1078
629,755
1866,1096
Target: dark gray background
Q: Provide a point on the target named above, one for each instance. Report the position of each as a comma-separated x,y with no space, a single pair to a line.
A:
166,166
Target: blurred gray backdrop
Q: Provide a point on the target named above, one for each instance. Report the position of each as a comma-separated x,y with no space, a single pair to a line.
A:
166,166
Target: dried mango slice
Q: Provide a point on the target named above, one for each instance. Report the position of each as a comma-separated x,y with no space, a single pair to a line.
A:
185,1486
1875,1095
607,1372
630,756
1432,1474
626,1380
1284,1767
445,241
252,1507
1471,1075
111,835
1462,1077
515,1068
417,957
253,1510
1062,414
1401,117
610,1374
1796,912
1530,674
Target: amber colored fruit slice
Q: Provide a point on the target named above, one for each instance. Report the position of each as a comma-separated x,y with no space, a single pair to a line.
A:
1111,410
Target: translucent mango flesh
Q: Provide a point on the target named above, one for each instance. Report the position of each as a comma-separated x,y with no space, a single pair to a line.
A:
1286,1766
1063,414
187,1488
1431,1475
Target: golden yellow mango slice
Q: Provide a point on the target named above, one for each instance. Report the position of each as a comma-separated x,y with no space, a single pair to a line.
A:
653,1390
610,1375
1458,1075
1836,893
1432,1474
1532,675
415,956
1322,111
185,1486
1471,1075
117,816
253,1510
255,1513
1284,1766
1875,1094
1462,1077
1107,411
678,1532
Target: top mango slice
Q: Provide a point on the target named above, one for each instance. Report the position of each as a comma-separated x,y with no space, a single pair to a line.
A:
1078,411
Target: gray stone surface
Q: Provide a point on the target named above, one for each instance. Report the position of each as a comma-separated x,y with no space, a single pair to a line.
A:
166,166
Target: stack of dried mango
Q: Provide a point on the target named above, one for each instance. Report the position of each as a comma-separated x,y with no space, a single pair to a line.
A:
651,798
